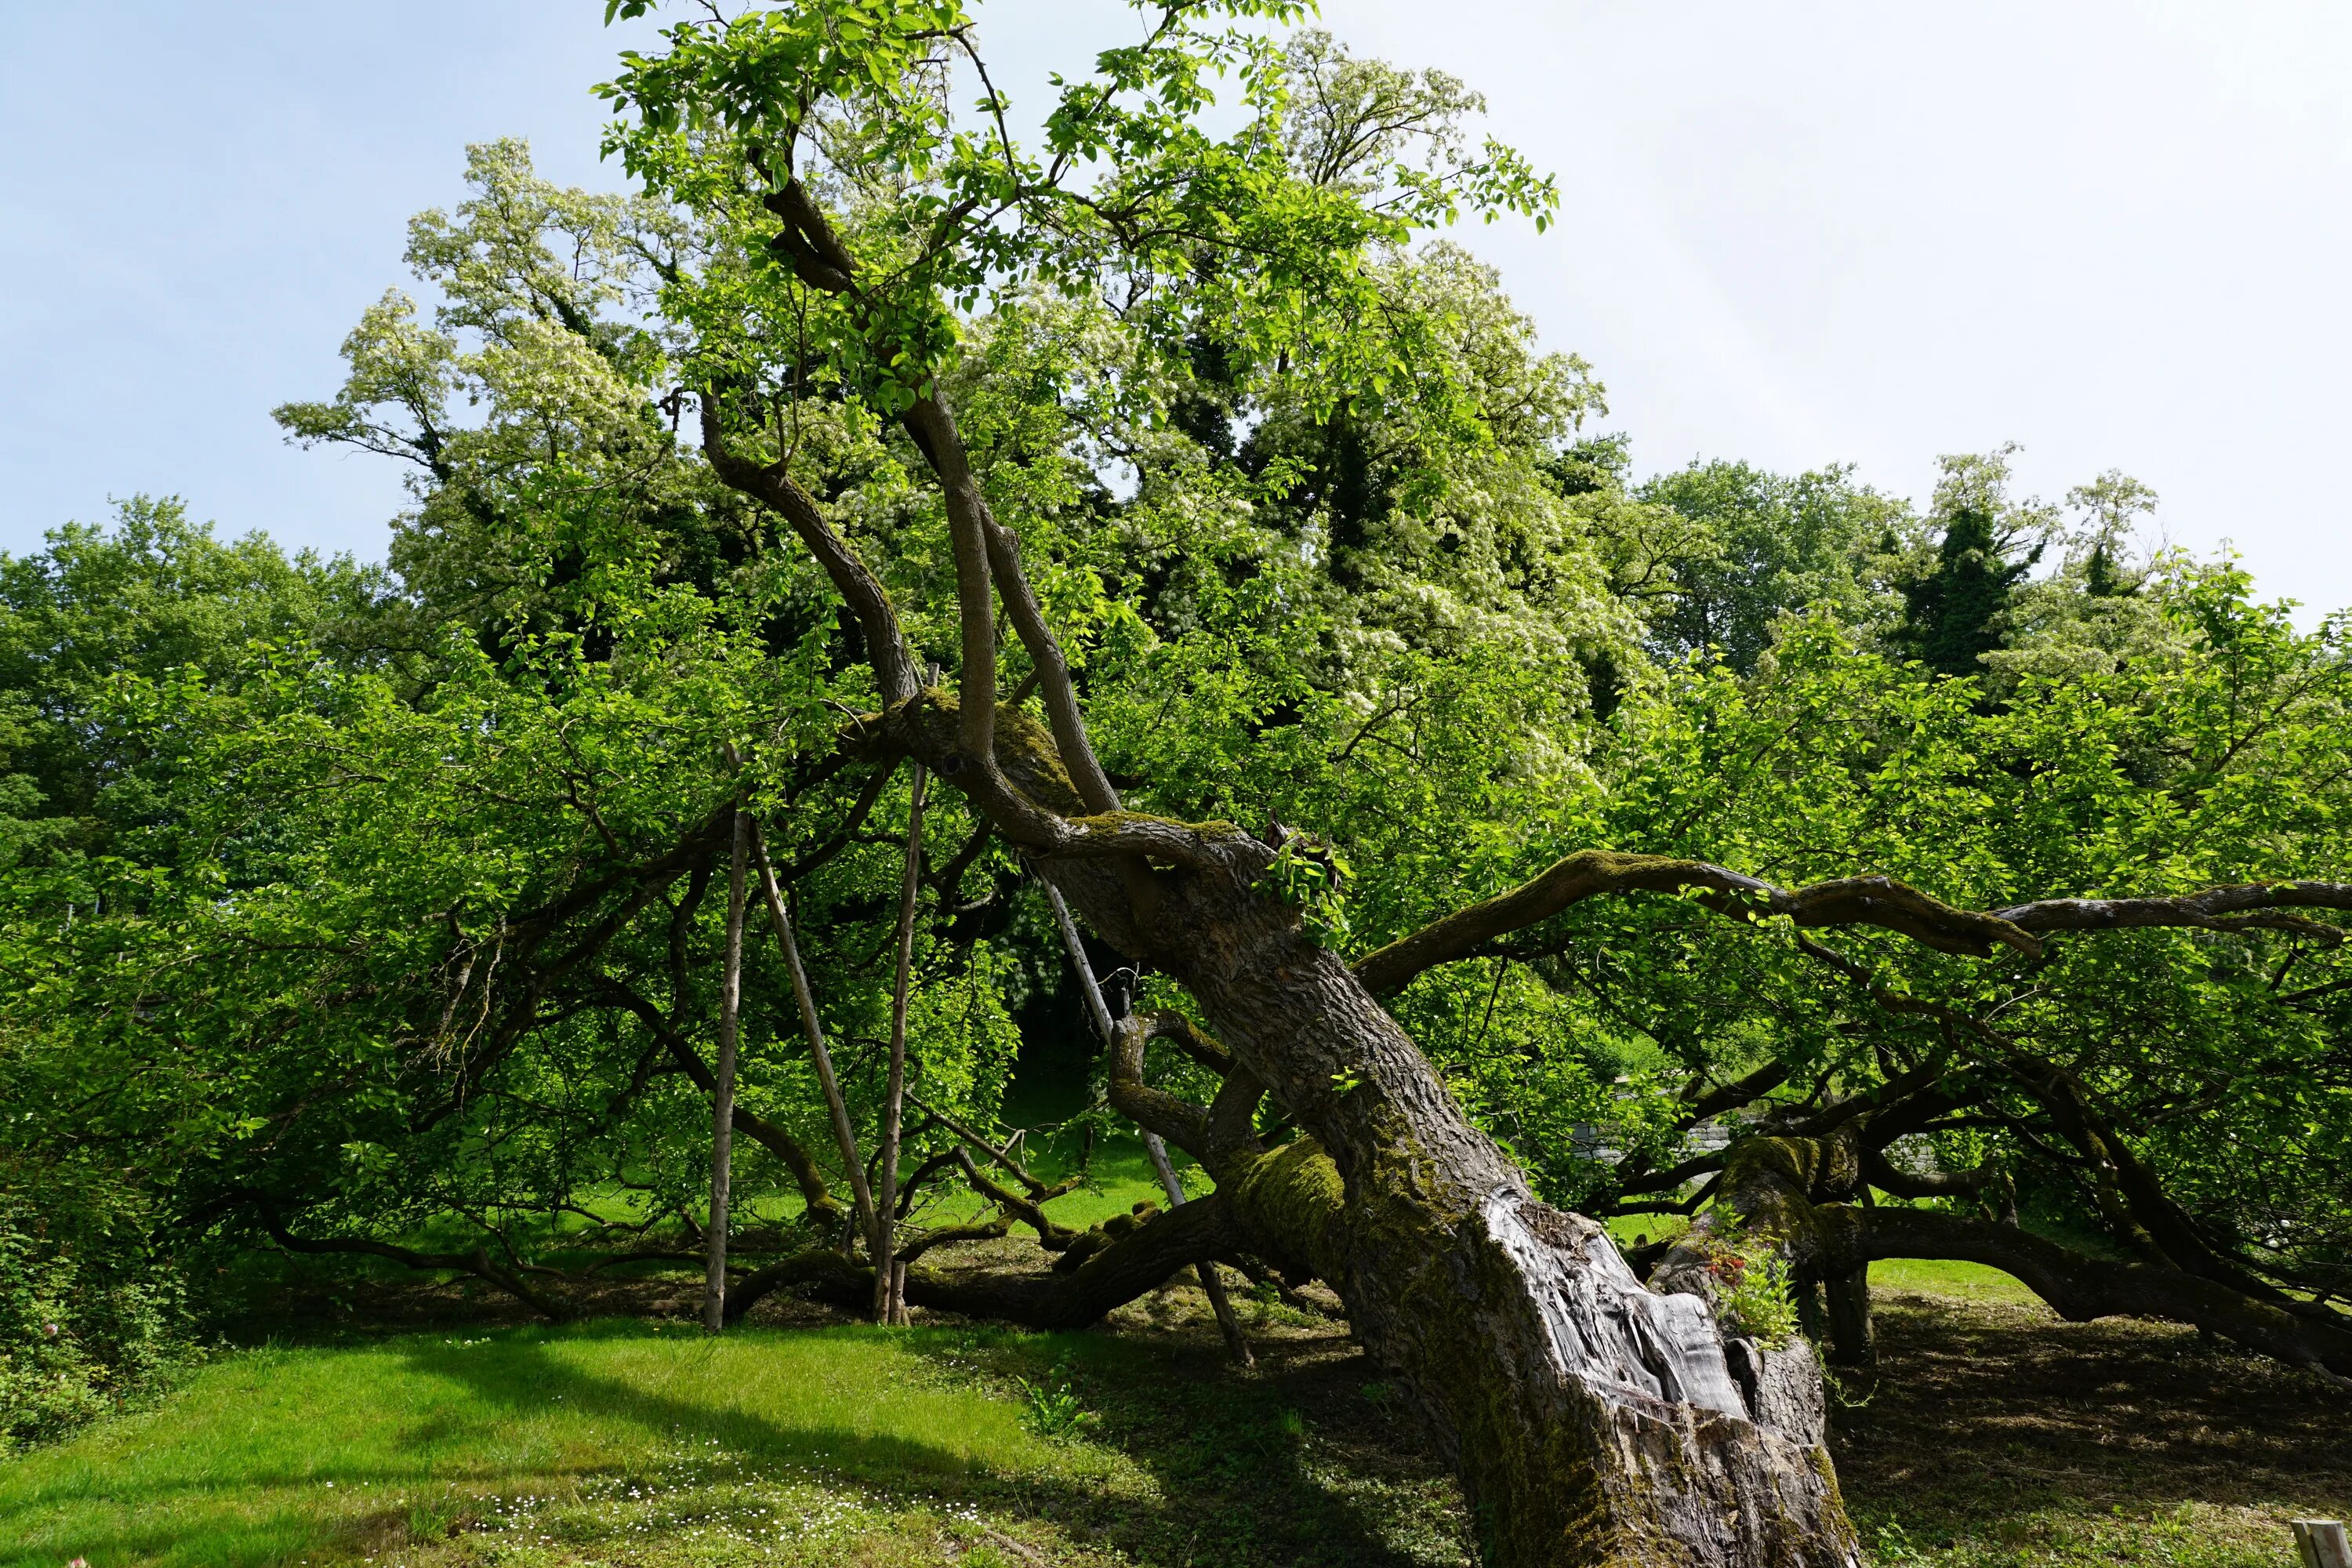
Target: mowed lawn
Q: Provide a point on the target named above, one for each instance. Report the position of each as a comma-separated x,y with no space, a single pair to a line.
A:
1994,1436
550,1444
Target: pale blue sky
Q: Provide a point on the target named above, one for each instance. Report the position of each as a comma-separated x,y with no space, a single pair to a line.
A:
1797,232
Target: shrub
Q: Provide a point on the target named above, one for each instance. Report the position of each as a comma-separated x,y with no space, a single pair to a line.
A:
1752,1292
89,1318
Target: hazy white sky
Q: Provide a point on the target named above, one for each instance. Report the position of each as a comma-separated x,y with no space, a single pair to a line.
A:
1797,234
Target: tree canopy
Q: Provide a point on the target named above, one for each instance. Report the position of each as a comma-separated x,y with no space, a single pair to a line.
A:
1473,818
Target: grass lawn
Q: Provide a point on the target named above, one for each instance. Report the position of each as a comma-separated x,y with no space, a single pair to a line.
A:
622,1442
1994,1435
589,1438
1948,1280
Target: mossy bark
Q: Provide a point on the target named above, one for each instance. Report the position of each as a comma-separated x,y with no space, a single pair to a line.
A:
1591,1421
1797,1196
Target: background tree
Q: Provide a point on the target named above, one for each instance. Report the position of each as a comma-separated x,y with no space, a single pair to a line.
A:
1955,610
1780,545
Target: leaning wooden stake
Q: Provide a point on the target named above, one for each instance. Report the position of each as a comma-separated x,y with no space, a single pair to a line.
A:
2322,1544
1211,1285
722,1098
890,1278
845,1132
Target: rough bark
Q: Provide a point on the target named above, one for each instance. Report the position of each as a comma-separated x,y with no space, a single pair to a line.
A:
1590,1419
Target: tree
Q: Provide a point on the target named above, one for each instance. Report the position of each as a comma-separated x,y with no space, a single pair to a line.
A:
1955,611
1348,584
1781,545
1504,1316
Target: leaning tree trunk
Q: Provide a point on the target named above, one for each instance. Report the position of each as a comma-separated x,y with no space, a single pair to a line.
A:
1591,1421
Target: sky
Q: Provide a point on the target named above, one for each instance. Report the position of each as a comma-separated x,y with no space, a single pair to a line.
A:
2117,233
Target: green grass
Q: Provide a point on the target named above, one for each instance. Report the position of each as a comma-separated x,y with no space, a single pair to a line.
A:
1994,1435
626,1443
545,1441
1950,1280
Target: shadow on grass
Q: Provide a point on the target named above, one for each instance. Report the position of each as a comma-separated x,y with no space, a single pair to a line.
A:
527,1377
1234,1456
1987,1415
209,1505
1291,1463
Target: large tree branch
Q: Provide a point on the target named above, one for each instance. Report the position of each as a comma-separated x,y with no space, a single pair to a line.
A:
2129,1196
1851,900
2079,1287
886,642
1127,1266
1026,791
1589,873
2237,906
986,553
476,1262
1155,1111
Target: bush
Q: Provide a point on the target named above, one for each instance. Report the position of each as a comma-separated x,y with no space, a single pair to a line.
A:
1752,1293
89,1318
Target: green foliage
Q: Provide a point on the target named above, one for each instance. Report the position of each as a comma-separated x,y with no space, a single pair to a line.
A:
381,905
1753,1296
1311,877
151,598
1955,613
1052,1406
90,1318
1774,546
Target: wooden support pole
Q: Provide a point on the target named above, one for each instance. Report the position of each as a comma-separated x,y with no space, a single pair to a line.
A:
845,1132
722,1095
889,1288
2322,1544
1211,1285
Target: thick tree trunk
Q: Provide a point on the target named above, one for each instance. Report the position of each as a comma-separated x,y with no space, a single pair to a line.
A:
1591,1421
